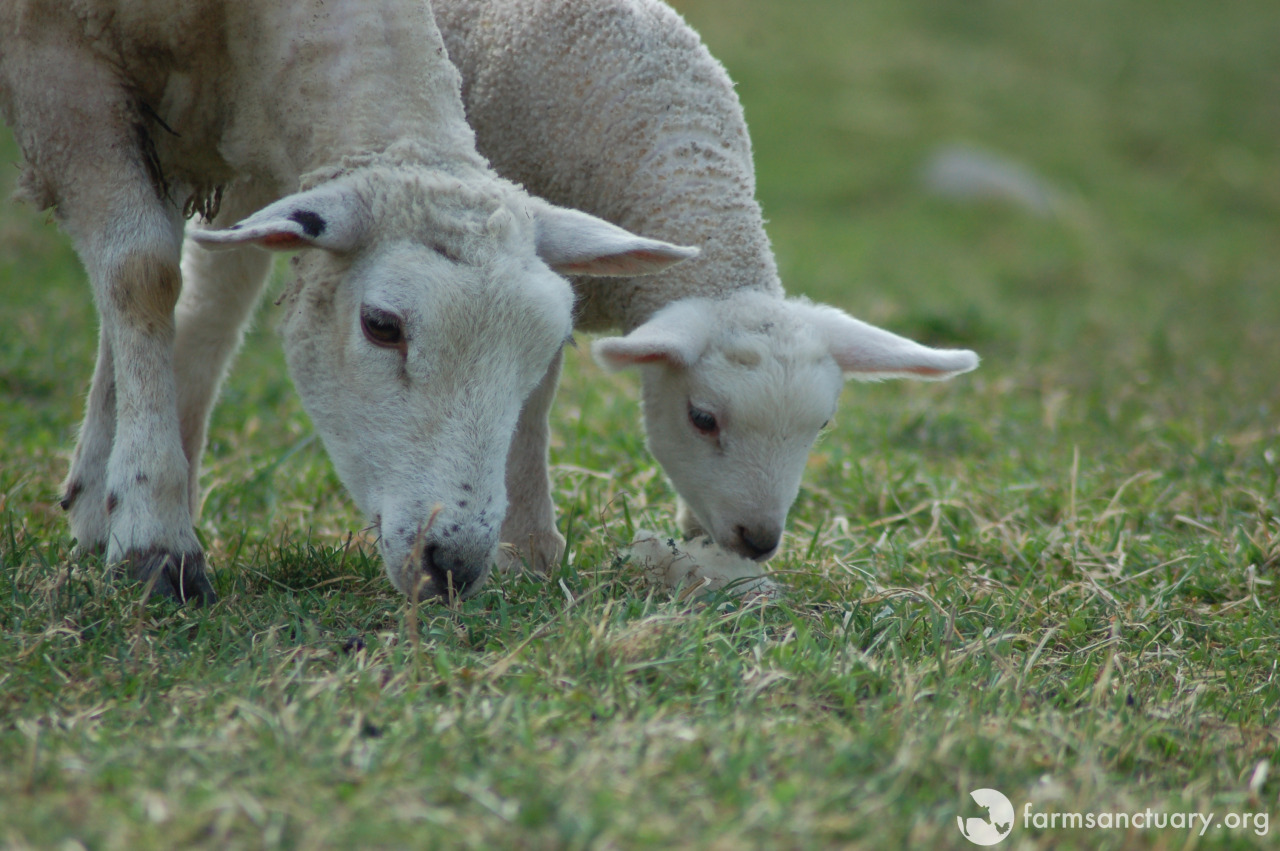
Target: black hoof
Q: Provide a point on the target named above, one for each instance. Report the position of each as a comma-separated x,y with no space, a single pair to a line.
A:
178,576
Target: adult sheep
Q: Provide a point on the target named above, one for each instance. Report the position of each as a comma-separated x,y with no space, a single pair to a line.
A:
425,312
617,108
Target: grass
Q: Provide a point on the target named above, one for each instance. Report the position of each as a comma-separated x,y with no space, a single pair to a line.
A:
1055,577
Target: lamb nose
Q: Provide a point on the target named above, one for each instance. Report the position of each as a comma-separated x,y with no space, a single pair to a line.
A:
759,543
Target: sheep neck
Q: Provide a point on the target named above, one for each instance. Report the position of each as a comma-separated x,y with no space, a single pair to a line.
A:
276,91
366,75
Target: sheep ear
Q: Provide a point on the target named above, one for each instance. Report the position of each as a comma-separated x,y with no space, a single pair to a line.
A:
330,216
868,353
574,243
676,335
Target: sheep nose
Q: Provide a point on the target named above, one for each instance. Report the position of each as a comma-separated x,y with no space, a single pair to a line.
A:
451,573
758,542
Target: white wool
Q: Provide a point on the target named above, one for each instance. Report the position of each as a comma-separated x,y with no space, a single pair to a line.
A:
698,566
616,107
425,310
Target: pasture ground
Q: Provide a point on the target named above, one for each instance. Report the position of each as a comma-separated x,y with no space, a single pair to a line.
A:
1055,577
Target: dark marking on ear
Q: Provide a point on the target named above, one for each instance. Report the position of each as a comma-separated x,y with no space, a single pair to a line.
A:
313,224
72,494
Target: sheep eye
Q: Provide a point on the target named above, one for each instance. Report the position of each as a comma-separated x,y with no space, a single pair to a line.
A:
381,328
703,421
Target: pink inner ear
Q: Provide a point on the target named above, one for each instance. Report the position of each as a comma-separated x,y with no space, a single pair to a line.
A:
649,256
626,263
621,356
861,367
647,357
595,266
282,240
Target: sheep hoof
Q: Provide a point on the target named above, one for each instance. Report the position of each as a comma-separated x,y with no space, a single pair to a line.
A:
509,559
538,553
699,566
176,576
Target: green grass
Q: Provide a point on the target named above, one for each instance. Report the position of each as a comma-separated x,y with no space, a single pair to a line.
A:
1056,577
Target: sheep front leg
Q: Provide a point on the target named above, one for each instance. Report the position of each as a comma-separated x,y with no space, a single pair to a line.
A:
147,475
135,473
529,533
83,139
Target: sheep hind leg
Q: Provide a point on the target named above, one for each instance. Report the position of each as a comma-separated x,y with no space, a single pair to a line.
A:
85,489
529,535
219,292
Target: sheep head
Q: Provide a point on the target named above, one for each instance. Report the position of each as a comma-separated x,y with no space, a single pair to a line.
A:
425,310
736,391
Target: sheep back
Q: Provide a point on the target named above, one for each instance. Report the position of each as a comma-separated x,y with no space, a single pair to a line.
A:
617,108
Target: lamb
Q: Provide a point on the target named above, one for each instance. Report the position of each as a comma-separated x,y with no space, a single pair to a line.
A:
617,108
425,307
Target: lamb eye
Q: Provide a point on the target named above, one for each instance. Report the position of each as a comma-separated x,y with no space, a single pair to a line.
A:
381,328
703,421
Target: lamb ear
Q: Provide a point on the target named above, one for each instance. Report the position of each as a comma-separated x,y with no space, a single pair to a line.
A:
331,216
868,353
677,335
575,243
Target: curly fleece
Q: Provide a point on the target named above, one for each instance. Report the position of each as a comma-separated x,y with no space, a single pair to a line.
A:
617,108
